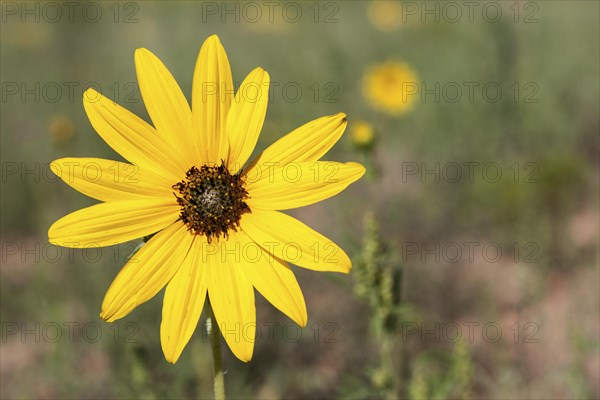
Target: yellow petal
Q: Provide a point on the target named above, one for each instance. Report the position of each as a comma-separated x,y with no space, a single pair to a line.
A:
108,180
292,185
107,224
246,117
307,143
292,241
182,305
231,296
132,137
273,279
211,98
147,272
166,104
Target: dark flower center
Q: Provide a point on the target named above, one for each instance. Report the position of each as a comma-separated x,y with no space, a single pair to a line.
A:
211,200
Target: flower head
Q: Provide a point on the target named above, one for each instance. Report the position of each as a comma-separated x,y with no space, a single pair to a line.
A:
362,134
61,129
390,86
385,15
217,229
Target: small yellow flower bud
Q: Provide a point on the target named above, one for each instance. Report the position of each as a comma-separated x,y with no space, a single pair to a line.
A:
362,134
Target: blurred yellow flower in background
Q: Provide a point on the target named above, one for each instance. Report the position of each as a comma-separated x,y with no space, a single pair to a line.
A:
362,134
61,129
385,15
390,87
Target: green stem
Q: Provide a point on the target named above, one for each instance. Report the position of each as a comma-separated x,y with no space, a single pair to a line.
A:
215,341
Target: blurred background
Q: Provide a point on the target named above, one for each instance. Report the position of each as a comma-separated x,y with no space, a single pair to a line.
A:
474,235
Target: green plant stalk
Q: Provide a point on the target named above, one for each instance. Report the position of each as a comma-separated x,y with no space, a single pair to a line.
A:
215,341
380,285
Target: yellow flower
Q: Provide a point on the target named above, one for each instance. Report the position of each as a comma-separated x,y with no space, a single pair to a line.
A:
385,15
361,133
61,129
390,87
218,231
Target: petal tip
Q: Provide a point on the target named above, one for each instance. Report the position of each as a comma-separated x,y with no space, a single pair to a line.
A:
212,43
359,168
302,322
341,116
52,234
242,350
105,316
343,122
261,74
52,239
171,355
141,54
90,96
56,168
347,269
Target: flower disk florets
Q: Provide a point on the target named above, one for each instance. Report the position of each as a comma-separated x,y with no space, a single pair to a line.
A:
211,200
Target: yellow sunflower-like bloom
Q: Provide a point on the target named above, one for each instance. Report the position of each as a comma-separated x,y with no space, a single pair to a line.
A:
217,229
390,87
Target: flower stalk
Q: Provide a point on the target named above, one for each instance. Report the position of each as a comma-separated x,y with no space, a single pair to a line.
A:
212,328
379,283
